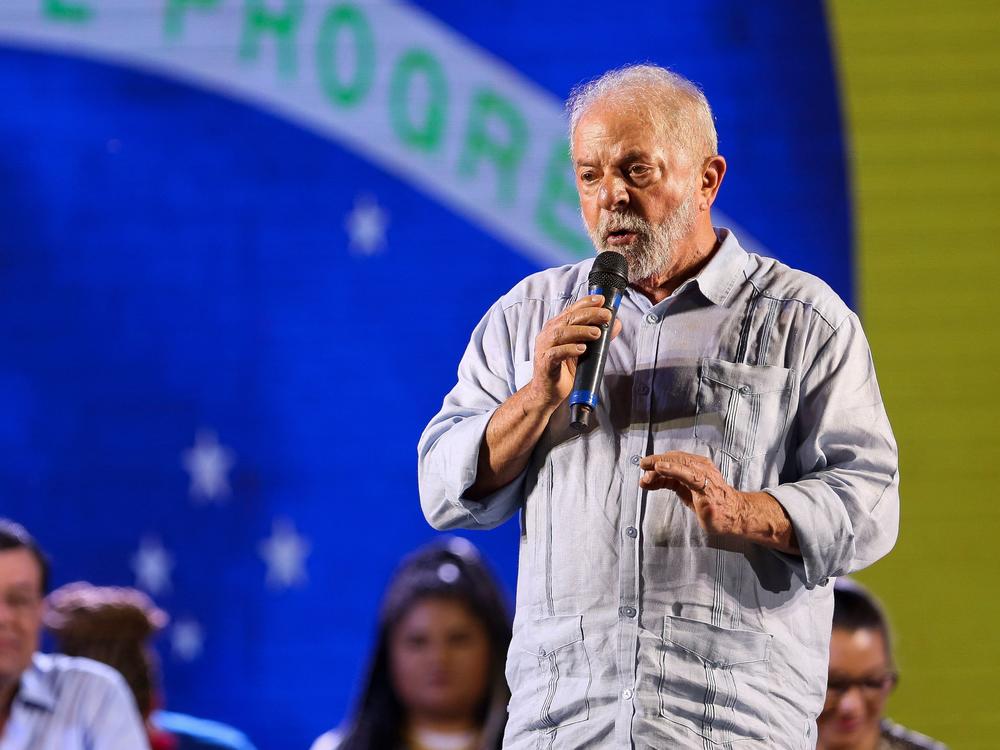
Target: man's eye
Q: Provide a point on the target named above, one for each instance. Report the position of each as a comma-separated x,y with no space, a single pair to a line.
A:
587,176
638,170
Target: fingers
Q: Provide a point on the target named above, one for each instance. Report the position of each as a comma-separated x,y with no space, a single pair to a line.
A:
573,334
677,469
650,481
692,478
552,358
587,311
580,323
680,458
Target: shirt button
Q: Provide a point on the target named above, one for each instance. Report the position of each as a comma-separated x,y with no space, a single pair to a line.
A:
643,389
627,694
635,460
632,532
745,390
628,611
652,318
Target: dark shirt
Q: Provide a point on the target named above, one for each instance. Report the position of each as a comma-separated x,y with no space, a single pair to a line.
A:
895,737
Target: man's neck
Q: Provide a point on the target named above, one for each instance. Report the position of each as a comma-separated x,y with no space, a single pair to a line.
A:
8,689
692,256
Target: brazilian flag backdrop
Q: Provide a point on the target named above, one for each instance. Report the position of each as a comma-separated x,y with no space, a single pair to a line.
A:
243,243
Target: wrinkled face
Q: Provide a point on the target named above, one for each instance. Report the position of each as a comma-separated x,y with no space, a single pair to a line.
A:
20,612
638,193
439,656
860,681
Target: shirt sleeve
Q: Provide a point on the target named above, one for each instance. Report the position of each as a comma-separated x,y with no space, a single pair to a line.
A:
115,723
448,451
845,505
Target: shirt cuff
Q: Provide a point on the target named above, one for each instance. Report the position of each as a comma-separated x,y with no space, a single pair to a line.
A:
822,530
465,439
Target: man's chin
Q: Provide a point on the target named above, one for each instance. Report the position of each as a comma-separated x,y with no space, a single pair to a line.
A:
12,667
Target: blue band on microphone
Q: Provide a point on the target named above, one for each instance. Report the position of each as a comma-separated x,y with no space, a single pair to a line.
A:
589,398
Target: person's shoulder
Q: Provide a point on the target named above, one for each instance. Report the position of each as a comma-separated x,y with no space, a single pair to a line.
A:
328,741
77,688
897,737
201,733
558,282
60,671
781,282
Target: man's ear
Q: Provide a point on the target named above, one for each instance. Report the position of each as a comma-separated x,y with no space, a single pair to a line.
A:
712,172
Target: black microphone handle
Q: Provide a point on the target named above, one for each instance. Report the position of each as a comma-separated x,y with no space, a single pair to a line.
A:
590,365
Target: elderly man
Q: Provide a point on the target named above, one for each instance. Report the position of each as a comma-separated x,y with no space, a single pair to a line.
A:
51,702
675,559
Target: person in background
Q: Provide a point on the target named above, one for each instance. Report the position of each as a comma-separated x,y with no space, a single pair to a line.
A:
436,678
50,701
114,625
862,675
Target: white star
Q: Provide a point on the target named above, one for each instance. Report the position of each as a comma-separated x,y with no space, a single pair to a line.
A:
285,553
366,225
208,462
152,565
187,639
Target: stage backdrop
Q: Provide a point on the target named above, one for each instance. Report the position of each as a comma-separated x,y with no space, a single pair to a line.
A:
242,246
921,85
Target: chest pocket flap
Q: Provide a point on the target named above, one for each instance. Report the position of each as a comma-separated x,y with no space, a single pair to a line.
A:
742,410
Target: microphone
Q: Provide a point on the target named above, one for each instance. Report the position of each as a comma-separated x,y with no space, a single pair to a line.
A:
608,277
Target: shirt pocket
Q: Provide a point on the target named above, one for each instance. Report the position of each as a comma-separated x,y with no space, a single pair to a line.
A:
553,676
741,410
714,680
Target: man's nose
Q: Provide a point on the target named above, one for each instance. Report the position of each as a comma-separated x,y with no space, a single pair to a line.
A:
852,701
613,194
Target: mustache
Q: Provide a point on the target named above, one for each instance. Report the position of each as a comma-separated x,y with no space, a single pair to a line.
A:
621,222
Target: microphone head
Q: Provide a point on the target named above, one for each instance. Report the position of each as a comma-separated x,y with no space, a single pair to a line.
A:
610,270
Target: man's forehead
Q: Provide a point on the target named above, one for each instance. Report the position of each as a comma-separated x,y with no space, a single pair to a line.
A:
618,134
857,649
19,566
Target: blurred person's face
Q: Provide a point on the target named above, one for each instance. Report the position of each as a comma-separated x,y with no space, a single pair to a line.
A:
859,683
20,612
439,656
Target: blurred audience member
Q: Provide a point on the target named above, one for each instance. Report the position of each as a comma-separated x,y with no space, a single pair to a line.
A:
51,700
862,674
114,626
436,679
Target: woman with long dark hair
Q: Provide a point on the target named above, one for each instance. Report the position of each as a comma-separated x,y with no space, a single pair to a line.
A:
436,678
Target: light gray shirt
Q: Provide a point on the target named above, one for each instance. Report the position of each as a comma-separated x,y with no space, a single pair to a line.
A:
633,627
67,703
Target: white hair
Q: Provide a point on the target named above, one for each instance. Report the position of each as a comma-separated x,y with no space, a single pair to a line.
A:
675,105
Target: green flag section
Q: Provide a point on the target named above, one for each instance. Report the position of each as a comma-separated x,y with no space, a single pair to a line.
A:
921,90
384,79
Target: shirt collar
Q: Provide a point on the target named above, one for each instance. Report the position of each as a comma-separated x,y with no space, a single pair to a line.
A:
724,270
35,690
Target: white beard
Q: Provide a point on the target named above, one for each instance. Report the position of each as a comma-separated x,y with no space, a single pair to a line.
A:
654,246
